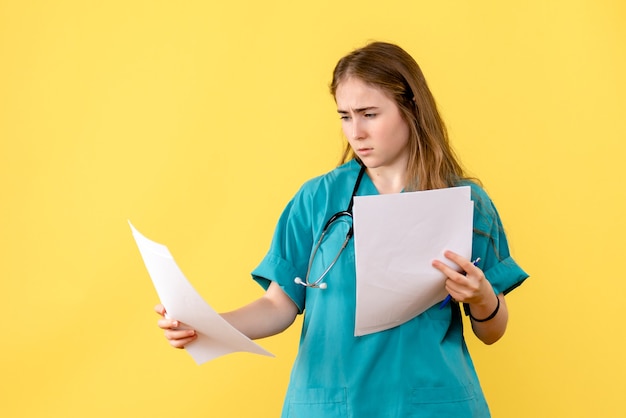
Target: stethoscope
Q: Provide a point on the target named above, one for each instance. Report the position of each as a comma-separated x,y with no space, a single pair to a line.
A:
318,284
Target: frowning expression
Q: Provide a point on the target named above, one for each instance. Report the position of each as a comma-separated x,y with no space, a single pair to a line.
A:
373,124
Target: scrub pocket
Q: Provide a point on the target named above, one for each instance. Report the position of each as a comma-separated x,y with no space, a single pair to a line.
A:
317,403
459,401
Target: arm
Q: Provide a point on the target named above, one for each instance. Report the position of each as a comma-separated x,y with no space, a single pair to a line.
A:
271,314
492,330
474,289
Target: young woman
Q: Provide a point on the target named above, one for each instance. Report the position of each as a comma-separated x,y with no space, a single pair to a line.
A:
396,142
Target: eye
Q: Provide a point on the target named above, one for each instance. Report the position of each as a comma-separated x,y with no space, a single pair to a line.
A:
370,115
344,117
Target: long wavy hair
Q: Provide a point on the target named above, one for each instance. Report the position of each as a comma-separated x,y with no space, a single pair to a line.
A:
432,162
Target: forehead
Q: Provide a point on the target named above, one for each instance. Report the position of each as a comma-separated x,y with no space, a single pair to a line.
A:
354,93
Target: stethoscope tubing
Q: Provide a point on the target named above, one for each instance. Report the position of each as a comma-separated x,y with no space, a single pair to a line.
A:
319,284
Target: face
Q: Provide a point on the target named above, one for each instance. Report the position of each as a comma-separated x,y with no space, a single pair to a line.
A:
373,125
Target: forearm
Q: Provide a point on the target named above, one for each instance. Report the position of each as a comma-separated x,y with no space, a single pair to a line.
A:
493,329
269,315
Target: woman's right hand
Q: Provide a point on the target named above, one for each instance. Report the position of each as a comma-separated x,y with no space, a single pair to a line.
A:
176,333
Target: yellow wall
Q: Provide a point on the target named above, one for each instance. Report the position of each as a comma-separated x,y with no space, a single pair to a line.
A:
198,121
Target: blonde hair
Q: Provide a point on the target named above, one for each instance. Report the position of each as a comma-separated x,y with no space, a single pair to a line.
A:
432,162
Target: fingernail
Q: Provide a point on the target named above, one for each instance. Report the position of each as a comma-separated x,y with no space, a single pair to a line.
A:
175,324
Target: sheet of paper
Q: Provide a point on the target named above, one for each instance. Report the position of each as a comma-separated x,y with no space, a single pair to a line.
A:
216,337
397,236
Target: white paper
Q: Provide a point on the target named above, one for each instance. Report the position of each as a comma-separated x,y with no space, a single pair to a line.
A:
397,236
216,337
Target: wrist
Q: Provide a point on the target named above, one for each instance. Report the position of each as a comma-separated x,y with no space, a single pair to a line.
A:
490,316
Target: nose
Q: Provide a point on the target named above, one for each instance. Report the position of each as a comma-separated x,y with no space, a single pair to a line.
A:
357,130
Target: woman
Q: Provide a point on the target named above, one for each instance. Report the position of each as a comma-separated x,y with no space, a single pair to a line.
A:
396,142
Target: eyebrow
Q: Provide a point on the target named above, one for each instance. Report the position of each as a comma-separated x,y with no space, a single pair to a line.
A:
359,110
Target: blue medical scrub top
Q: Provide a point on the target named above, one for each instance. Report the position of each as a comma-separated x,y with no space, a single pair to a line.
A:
421,368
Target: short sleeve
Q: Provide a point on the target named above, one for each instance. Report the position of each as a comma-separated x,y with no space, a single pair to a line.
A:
490,244
289,251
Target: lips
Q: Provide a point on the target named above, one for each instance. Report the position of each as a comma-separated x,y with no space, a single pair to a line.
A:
364,151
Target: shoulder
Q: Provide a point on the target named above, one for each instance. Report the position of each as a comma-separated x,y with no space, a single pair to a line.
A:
478,192
327,182
485,213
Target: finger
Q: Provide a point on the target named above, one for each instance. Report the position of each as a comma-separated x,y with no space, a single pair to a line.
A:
462,262
456,286
166,323
160,309
182,343
186,341
448,271
179,334
180,338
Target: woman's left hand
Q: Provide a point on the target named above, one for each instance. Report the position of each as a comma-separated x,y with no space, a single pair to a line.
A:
467,286
470,286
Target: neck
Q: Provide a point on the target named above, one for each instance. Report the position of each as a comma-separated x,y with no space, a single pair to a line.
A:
387,181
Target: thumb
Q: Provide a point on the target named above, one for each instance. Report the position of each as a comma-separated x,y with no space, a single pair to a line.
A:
160,309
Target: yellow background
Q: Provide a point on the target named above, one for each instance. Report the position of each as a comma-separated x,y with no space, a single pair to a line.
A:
199,120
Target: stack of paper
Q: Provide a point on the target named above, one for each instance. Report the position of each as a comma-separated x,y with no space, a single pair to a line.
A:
397,236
